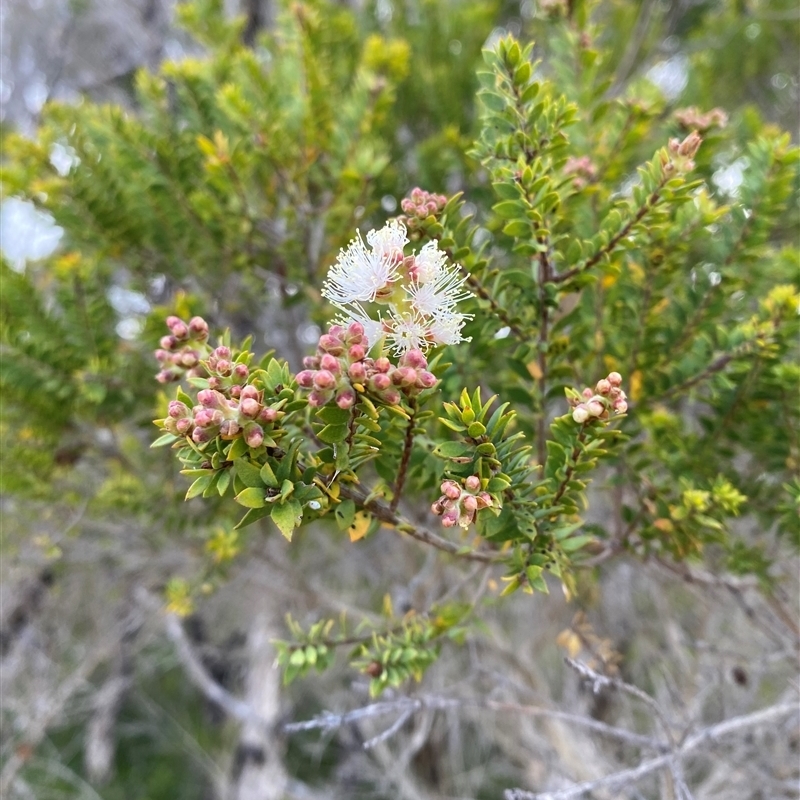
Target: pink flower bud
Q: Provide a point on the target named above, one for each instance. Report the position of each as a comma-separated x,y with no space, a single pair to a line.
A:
210,398
250,407
470,503
620,406
615,379
382,364
268,415
450,518
331,344
473,483
236,391
199,436
484,500
324,380
415,359
161,355
346,399
305,378
253,435
214,382
223,352
179,330
165,376
357,372
451,490
381,382
168,342
182,426
249,393
603,387
311,362
580,414
330,363
189,359
172,320
177,410
224,367
229,428
241,372
391,398
317,399
404,376
355,332
336,331
356,352
588,393
198,328
595,408
437,508
426,380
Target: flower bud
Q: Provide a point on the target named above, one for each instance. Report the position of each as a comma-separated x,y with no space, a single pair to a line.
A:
223,352
450,518
311,362
588,393
451,490
198,327
166,376
595,408
391,398
404,376
357,372
473,483
324,380
241,372
268,415
620,406
437,508
214,382
331,344
189,359
330,363
603,386
426,380
235,391
229,428
356,352
200,436
249,392
173,320
615,379
253,435
580,414
209,398
355,333
179,330
305,379
177,410
346,399
470,503
317,399
249,407
183,426
484,500
168,342
415,359
224,367
382,364
381,382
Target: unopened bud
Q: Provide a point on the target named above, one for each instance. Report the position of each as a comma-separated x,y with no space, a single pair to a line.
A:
268,415
595,408
450,518
179,330
381,382
620,406
305,378
253,435
473,483
198,328
470,503
580,414
250,407
603,387
236,391
168,342
223,352
382,364
311,362
209,398
224,367
177,410
331,344
324,380
229,428
189,359
241,372
451,490
249,392
415,359
356,352
391,398
200,436
426,380
346,399
165,376
182,426
615,379
357,372
330,363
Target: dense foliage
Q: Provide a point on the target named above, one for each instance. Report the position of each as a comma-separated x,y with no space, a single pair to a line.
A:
590,236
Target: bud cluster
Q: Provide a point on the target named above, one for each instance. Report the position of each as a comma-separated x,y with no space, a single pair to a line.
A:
218,415
182,349
459,504
597,404
582,168
682,152
420,205
341,368
692,119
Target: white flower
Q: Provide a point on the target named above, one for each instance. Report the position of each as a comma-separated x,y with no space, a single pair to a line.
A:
446,328
359,274
407,332
429,263
389,241
440,294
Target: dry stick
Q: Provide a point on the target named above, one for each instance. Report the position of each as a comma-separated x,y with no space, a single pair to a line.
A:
701,739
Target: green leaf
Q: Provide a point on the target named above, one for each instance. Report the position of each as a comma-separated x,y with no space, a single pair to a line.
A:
333,434
268,477
251,498
576,543
345,514
333,415
249,474
164,440
453,450
199,486
287,516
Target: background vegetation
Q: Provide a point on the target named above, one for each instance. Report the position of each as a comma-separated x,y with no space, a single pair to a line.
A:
222,182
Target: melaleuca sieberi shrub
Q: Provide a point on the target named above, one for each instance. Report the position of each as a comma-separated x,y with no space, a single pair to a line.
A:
591,306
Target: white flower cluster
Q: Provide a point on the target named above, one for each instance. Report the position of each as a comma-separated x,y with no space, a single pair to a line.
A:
414,297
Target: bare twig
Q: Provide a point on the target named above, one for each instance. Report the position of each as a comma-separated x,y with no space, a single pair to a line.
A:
703,738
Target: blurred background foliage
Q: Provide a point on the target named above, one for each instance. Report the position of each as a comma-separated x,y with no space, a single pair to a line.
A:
214,164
